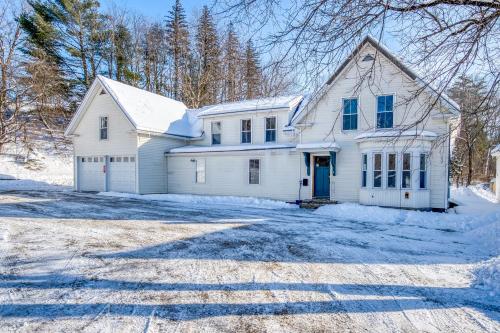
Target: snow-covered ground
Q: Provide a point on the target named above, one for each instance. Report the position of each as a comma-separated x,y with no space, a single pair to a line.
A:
45,170
82,262
119,262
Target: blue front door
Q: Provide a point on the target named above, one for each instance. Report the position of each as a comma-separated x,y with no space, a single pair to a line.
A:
322,177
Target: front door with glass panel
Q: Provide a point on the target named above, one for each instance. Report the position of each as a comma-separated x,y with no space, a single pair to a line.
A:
322,177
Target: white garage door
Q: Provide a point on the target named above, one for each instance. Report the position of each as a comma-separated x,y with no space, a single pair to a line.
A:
121,174
91,176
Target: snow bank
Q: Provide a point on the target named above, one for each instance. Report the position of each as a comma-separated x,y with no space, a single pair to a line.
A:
359,213
207,200
487,276
484,227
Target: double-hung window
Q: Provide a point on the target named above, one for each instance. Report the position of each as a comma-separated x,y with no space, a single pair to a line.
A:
271,129
377,170
103,128
406,175
246,131
216,132
423,171
385,108
391,170
350,114
364,169
254,171
200,171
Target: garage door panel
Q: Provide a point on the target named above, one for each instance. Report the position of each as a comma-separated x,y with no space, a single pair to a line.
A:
122,174
91,176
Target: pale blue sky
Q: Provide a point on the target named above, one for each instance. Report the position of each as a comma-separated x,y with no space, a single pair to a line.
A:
156,8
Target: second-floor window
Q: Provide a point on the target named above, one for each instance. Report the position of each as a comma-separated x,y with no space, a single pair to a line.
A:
385,107
350,116
103,128
246,131
216,132
271,129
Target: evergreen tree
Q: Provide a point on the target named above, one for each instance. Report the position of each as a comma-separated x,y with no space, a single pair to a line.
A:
252,73
122,43
232,62
208,52
178,40
66,33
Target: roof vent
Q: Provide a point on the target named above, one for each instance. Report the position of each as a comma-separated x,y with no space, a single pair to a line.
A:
368,57
103,92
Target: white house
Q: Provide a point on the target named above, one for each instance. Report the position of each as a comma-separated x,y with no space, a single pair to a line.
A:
363,137
496,153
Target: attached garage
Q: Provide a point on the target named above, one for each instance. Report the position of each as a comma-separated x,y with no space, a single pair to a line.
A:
91,175
121,174
120,135
104,173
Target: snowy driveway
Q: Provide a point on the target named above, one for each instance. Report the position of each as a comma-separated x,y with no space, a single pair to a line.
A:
80,262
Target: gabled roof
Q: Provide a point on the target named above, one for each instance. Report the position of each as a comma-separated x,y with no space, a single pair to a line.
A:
451,105
146,111
264,104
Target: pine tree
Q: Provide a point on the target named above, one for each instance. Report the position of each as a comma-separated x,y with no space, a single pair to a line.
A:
178,40
232,62
208,53
68,34
252,73
122,52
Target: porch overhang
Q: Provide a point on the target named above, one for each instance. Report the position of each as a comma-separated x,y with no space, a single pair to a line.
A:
318,147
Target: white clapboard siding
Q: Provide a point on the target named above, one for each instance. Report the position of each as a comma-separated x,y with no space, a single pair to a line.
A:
122,139
227,174
152,163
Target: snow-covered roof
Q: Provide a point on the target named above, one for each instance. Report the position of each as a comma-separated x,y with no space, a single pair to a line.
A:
146,111
218,148
393,133
325,145
264,104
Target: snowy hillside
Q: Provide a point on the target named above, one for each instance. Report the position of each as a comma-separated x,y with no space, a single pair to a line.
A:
45,168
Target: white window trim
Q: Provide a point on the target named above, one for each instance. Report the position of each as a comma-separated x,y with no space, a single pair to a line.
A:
198,160
276,129
251,131
248,169
394,101
342,115
411,170
107,127
211,133
381,170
